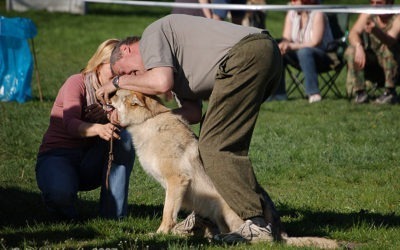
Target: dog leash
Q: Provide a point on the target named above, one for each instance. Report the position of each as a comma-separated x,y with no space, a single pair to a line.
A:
110,157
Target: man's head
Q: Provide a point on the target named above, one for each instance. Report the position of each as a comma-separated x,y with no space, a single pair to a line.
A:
121,60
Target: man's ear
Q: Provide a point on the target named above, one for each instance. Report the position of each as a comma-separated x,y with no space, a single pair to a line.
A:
125,49
137,100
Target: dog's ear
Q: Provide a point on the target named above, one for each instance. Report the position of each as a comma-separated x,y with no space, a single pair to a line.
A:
155,106
137,100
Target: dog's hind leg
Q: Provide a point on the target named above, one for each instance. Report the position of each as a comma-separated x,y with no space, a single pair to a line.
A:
210,204
176,187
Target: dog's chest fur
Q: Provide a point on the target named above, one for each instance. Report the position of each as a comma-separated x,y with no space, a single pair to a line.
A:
164,146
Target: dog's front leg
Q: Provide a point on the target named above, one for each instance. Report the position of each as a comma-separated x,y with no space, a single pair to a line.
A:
175,191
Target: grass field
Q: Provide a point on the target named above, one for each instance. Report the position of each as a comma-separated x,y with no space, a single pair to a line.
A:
332,167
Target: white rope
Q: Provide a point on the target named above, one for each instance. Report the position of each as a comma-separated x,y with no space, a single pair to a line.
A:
384,9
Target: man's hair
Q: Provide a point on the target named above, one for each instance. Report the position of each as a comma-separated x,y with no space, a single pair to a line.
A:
117,54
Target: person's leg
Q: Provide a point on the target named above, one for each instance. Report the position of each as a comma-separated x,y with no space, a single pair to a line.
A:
238,15
114,201
219,14
57,179
93,173
249,71
355,77
387,61
309,60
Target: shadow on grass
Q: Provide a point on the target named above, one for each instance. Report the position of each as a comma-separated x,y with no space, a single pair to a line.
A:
21,208
24,220
316,223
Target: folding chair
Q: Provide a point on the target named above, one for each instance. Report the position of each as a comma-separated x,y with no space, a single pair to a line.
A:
339,23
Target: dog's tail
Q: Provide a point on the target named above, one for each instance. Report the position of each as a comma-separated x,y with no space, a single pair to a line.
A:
317,242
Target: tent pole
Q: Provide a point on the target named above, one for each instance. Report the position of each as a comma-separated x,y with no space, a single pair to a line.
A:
37,71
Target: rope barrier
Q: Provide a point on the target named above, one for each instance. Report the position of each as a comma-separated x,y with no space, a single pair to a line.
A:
384,9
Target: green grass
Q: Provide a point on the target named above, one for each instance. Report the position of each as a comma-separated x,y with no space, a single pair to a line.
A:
332,168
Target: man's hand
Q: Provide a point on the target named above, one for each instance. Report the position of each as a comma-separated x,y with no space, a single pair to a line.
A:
103,93
369,26
359,57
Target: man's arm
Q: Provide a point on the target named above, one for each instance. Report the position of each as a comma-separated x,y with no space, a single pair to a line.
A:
357,29
152,82
391,37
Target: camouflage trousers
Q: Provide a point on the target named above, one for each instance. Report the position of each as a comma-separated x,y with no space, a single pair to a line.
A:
381,67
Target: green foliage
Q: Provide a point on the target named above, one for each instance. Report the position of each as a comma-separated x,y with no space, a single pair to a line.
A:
332,167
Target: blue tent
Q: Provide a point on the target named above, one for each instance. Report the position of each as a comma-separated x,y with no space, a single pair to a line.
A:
16,63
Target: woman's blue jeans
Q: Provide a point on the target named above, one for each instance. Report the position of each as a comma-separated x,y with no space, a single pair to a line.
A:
310,60
61,173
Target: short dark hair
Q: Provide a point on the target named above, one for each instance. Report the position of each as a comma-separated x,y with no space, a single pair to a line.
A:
116,53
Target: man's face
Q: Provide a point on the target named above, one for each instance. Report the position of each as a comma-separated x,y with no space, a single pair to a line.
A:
130,63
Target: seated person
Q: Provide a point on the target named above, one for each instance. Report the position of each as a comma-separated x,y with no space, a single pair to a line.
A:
306,35
377,54
237,16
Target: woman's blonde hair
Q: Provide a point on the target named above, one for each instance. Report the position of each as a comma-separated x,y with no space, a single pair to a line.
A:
101,56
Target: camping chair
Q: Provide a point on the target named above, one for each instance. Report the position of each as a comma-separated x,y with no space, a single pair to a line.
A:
339,23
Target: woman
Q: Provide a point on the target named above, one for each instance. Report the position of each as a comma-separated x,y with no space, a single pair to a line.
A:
74,152
306,35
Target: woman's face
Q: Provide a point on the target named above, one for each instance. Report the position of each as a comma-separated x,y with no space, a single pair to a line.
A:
104,73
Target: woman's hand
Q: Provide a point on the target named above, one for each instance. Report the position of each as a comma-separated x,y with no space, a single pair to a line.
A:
95,114
284,46
107,131
113,117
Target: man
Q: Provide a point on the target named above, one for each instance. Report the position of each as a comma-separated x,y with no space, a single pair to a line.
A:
374,54
233,67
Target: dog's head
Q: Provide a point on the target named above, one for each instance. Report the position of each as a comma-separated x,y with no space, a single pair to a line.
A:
134,107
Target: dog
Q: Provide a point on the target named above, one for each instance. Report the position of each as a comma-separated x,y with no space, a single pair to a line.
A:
168,151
